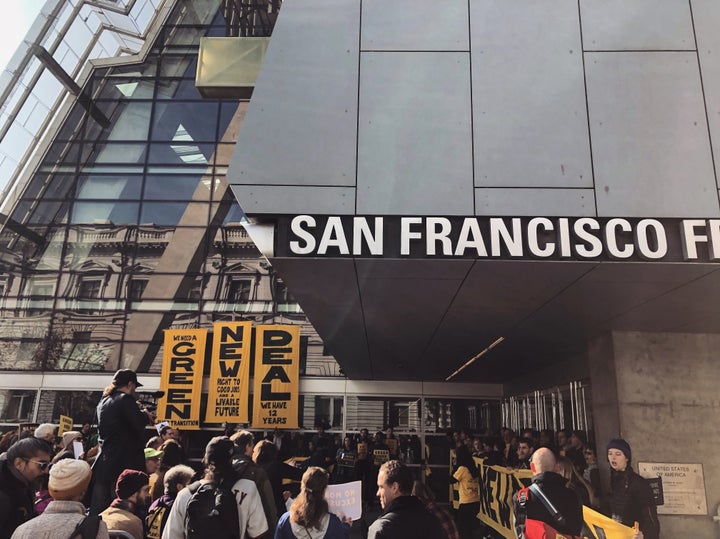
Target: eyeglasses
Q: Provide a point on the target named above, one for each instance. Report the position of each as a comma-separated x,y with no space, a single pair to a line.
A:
42,464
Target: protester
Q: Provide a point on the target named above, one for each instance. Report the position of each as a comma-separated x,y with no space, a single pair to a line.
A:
529,508
574,482
525,449
67,450
308,516
65,515
630,499
25,461
219,471
591,474
171,456
466,475
245,468
174,480
404,515
121,424
128,510
425,495
265,455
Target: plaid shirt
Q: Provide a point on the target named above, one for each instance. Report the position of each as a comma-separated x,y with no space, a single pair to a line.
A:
446,520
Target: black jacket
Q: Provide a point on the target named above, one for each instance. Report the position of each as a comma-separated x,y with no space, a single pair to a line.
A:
406,517
121,426
563,499
16,501
631,500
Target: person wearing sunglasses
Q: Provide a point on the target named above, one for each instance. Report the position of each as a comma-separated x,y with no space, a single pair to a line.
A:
26,461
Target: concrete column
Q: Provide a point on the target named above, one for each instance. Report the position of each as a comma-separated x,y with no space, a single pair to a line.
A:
659,391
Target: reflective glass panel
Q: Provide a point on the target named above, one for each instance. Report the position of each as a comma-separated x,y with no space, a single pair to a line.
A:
118,213
125,187
185,122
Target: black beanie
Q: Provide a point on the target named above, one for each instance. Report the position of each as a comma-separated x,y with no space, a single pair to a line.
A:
622,445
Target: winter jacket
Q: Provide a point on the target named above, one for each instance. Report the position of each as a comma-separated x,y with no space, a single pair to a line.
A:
16,500
631,500
406,517
330,528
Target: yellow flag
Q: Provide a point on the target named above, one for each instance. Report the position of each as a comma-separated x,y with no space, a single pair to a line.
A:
277,377
181,378
228,396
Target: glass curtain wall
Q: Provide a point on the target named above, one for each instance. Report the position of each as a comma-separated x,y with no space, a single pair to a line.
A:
128,227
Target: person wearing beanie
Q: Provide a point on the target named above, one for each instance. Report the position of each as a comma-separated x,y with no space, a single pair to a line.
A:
25,462
67,450
219,470
121,426
46,432
69,479
127,512
630,499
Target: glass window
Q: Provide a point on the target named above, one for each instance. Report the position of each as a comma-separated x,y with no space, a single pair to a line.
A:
159,187
185,121
115,152
178,89
46,213
170,213
282,294
90,287
239,290
16,406
108,213
125,187
181,151
80,405
137,288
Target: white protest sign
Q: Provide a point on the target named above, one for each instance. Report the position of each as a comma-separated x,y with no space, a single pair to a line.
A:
345,499
78,449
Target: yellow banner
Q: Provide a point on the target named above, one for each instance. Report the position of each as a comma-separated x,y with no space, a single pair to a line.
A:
602,527
66,425
229,394
181,378
277,376
497,486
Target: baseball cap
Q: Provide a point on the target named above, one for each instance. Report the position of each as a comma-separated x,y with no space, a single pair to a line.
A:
151,453
124,376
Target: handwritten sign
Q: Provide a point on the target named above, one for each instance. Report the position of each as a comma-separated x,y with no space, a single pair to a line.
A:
683,487
345,499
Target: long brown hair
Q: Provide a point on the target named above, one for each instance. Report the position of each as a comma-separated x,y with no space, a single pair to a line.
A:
310,506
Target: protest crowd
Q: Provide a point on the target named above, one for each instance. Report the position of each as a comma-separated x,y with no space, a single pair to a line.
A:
119,481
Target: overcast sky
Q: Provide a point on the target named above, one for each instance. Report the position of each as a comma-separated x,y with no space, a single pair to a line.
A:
16,18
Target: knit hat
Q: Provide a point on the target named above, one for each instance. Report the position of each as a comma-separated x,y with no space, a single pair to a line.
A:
69,478
622,445
68,438
44,429
219,451
129,482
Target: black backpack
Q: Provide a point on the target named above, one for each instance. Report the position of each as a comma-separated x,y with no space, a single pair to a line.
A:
212,512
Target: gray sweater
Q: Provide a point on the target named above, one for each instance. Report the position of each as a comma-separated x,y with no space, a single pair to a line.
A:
59,520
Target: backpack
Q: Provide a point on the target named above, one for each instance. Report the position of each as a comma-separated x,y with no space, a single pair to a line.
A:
530,528
156,520
212,511
87,528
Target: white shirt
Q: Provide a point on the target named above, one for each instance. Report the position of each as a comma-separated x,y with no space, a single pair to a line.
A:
252,517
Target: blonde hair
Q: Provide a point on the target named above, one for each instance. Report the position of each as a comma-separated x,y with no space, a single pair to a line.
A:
310,506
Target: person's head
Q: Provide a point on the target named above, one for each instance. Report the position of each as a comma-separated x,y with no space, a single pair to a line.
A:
619,454
154,443
86,428
542,460
30,457
389,431
347,443
69,479
172,454
421,491
590,455
563,438
69,437
463,457
125,381
133,486
525,448
364,434
477,445
394,480
578,439
218,455
46,432
244,441
264,452
546,438
310,506
176,479
152,460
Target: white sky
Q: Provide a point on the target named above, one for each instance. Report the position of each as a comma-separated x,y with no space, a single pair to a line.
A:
15,20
